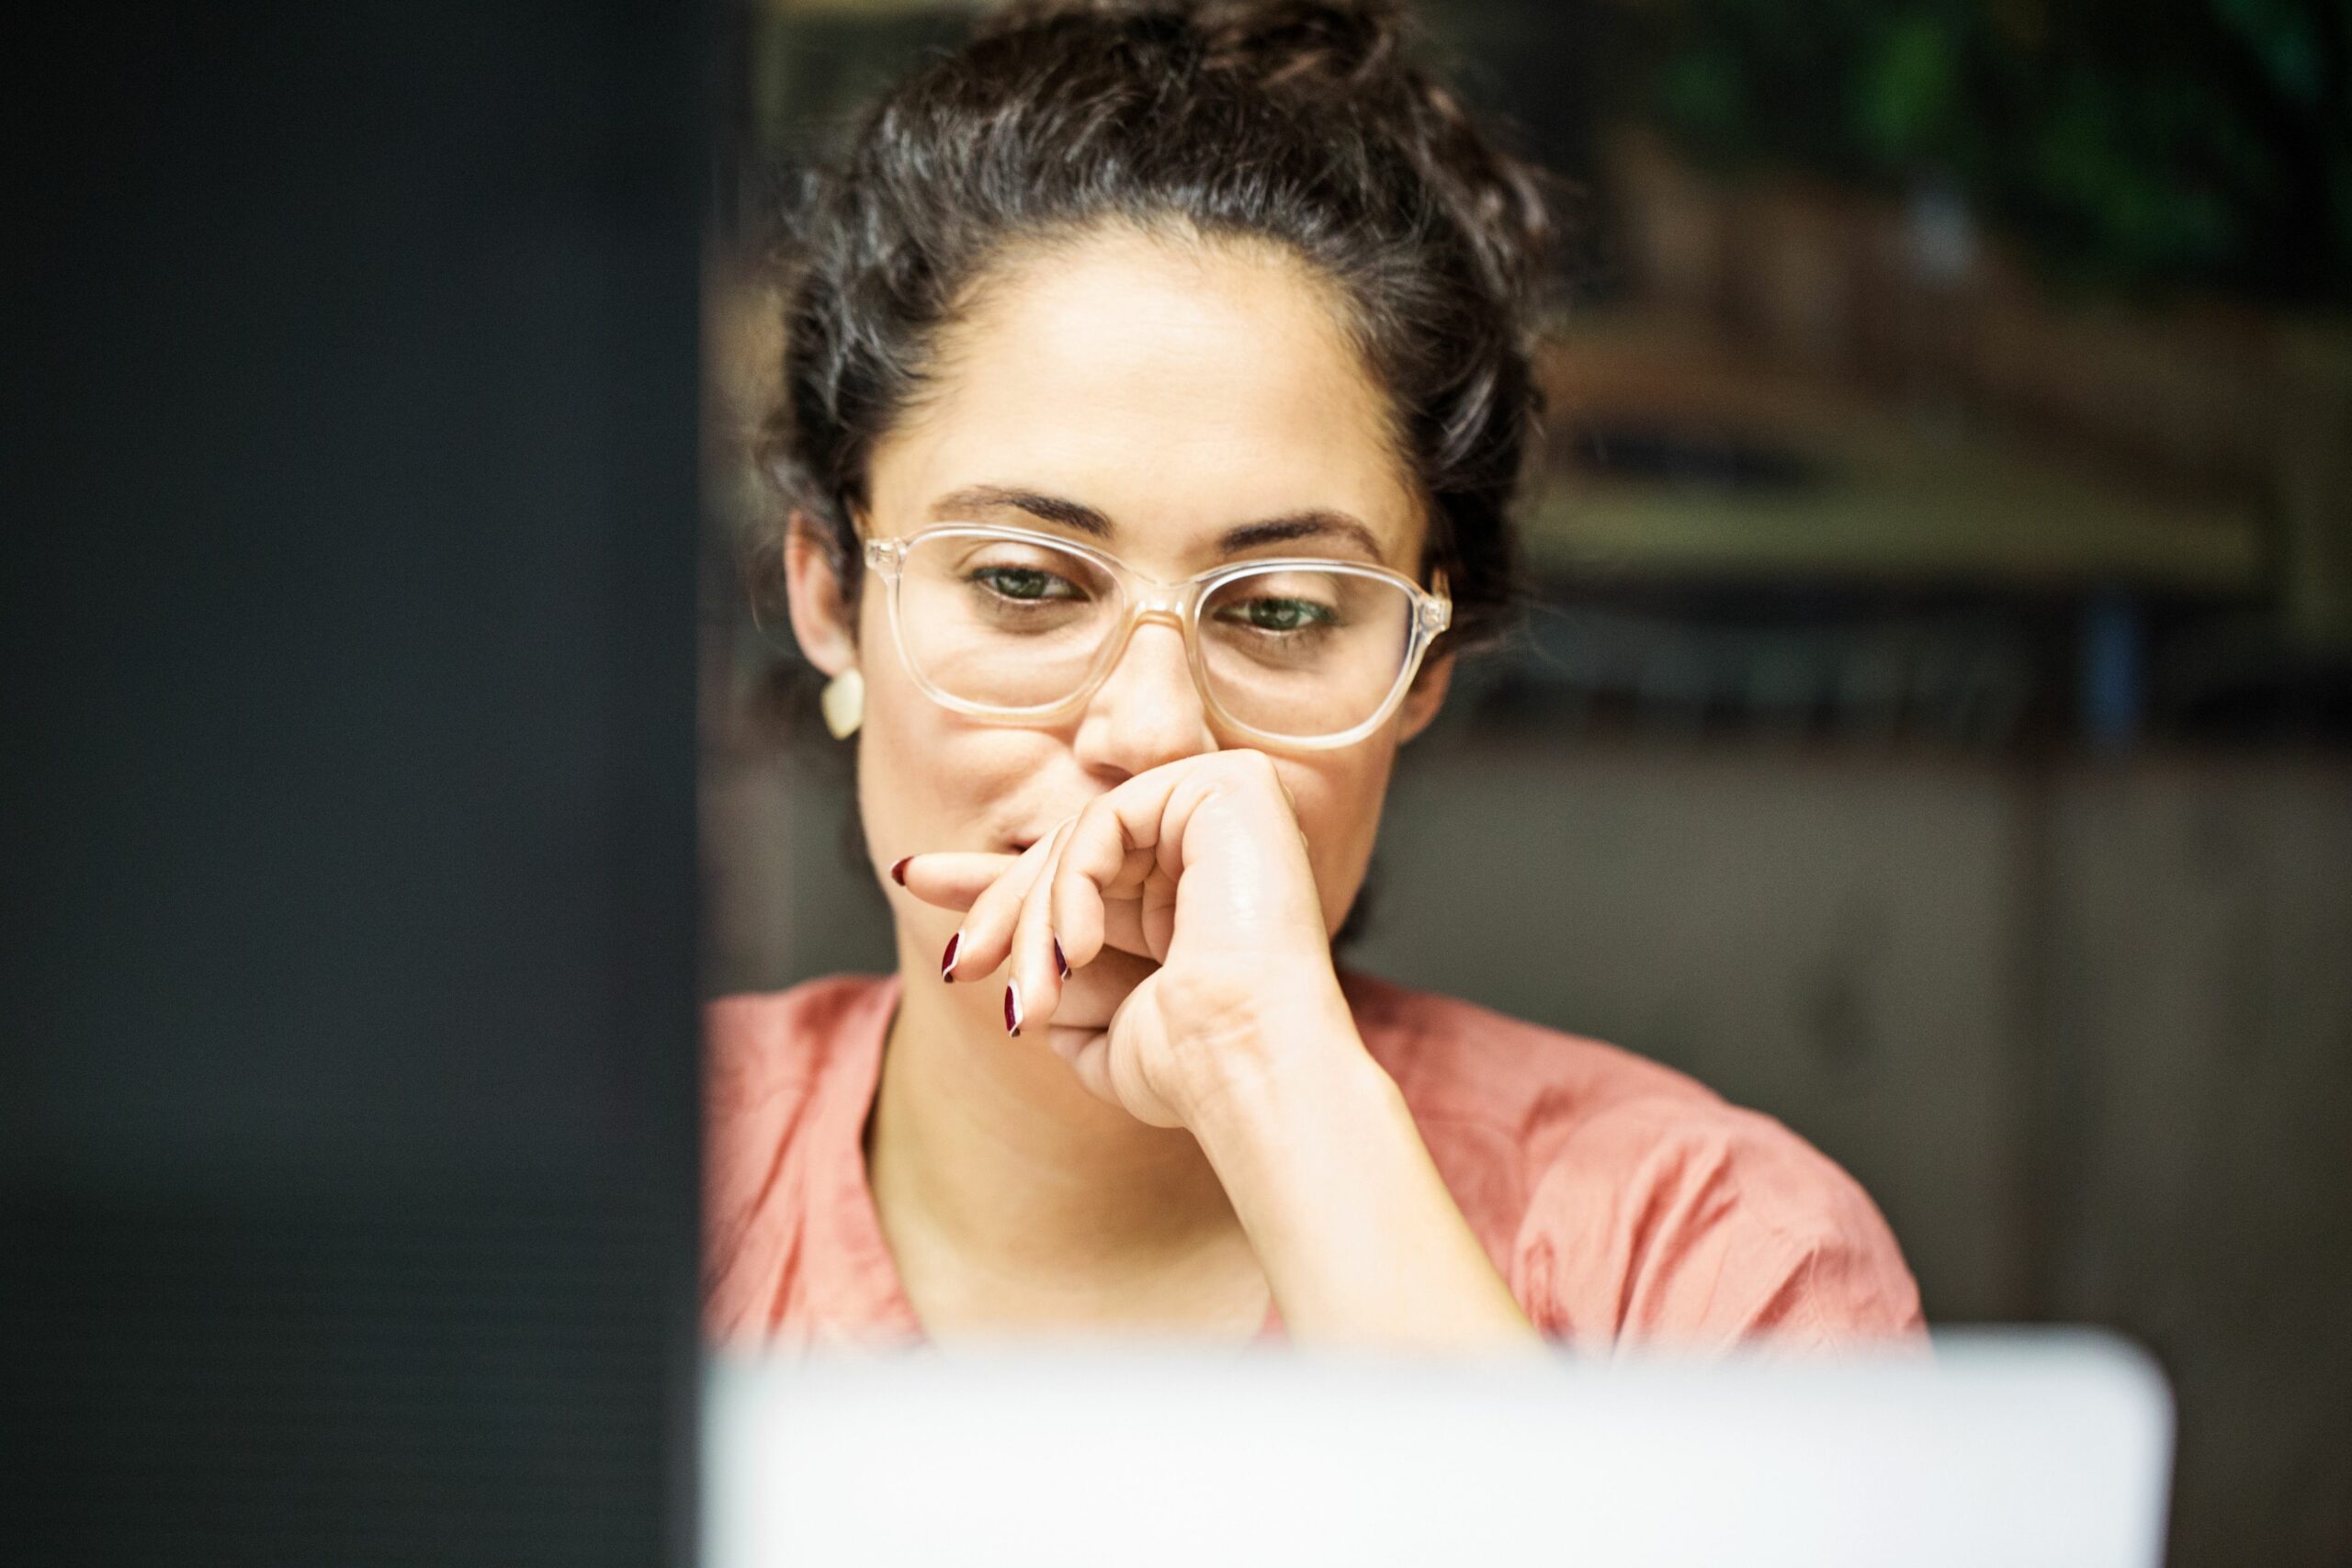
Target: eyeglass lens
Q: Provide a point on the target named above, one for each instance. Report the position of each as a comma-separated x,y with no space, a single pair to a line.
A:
1007,623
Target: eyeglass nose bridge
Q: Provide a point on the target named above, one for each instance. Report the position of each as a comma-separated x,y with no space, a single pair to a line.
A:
1170,601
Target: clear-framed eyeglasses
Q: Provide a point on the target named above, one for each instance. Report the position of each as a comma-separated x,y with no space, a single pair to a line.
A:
1015,625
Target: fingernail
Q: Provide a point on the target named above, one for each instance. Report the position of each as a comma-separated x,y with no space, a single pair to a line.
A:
898,872
1012,1008
1059,962
947,959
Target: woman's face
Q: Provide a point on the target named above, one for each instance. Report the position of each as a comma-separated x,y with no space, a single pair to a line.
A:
1174,390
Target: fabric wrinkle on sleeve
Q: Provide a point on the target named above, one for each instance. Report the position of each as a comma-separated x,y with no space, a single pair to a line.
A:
756,1100
1684,1221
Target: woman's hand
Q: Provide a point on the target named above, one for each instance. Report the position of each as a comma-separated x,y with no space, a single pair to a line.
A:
1199,865
1240,1034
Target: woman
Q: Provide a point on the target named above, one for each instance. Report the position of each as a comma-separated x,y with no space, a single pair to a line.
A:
1157,379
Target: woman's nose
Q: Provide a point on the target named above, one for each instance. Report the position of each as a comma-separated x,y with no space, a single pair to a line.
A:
1147,711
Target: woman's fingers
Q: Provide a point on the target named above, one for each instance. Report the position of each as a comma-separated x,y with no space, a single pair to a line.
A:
1122,931
1109,856
1112,872
1033,984
953,879
1089,1057
1095,904
1105,878
1128,844
985,939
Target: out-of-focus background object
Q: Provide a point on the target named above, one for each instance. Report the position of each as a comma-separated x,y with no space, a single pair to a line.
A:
348,1068
1936,726
2029,1449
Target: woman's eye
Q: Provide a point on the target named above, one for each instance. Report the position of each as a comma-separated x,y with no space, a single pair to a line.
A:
1278,614
1023,582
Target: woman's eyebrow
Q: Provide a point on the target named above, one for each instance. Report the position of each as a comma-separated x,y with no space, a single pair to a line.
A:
1300,525
973,500
1315,523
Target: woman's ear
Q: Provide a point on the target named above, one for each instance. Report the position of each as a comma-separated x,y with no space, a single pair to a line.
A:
824,625
1425,696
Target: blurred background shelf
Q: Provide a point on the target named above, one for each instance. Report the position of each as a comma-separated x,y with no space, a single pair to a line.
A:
1678,458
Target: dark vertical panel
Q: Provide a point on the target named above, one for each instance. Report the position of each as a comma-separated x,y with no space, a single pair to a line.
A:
346,1133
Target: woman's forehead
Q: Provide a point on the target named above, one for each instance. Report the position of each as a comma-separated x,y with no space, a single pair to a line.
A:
1177,391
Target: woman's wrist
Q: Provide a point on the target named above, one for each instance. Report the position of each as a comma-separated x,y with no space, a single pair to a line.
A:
1361,1240
1277,1124
1246,1054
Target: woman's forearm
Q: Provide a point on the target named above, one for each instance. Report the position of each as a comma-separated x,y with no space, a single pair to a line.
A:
1361,1241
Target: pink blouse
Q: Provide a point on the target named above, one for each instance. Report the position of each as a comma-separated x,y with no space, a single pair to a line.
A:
1621,1201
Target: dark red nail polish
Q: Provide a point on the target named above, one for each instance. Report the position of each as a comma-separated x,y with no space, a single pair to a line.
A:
1059,962
1012,1008
947,959
898,872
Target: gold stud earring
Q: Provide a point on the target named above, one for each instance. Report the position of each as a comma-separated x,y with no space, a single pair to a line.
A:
843,703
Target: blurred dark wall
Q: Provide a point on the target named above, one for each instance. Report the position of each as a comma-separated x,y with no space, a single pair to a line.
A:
347,1164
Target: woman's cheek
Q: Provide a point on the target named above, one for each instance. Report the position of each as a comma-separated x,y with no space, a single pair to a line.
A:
981,781
1335,813
909,781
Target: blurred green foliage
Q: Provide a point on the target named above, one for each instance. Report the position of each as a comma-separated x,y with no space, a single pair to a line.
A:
2132,142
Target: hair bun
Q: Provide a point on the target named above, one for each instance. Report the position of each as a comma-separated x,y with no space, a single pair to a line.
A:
1349,57
1334,44
1278,44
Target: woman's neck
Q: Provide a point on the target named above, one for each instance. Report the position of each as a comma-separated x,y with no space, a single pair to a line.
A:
986,1156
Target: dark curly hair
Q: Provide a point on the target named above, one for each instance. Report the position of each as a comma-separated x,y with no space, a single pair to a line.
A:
1299,122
